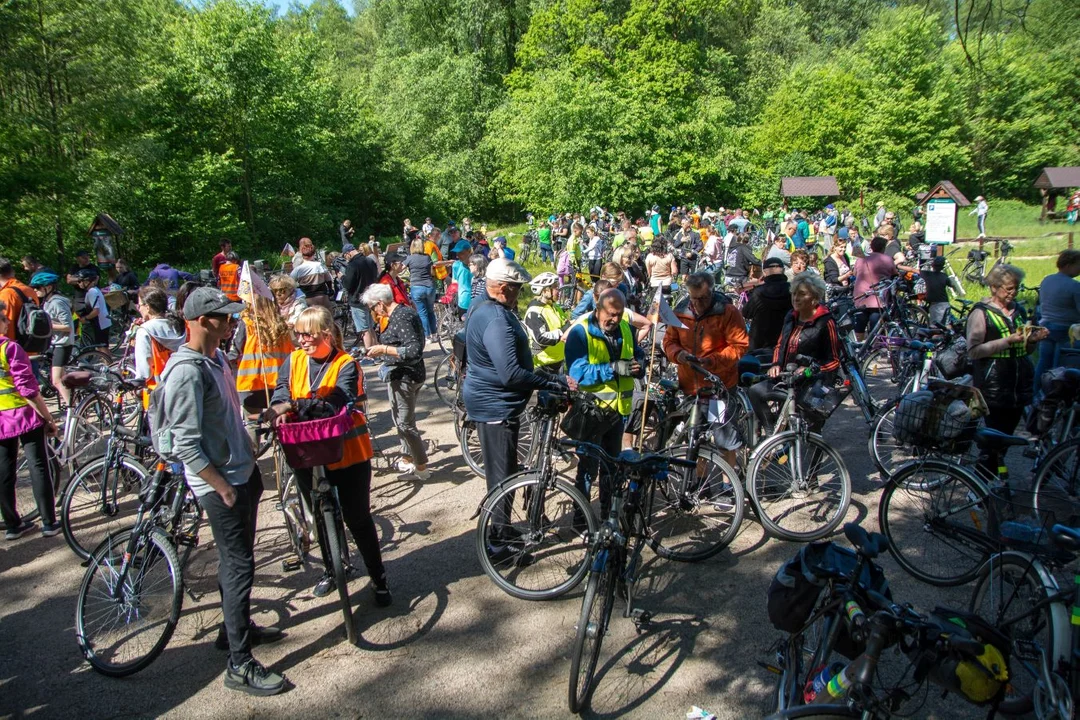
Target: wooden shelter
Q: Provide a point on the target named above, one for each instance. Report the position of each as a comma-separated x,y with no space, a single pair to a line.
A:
106,233
944,190
1054,181
813,186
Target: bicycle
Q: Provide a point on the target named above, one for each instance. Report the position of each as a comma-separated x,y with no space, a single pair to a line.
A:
132,591
530,238
975,269
795,479
614,557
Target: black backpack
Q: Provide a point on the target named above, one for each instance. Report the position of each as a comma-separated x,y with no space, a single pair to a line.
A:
33,330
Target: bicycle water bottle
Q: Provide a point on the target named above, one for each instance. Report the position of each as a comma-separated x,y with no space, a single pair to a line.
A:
1020,532
820,681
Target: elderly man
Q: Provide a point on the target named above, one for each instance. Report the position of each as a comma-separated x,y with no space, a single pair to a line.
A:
714,337
501,379
602,357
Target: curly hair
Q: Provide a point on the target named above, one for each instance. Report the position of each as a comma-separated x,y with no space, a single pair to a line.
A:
270,326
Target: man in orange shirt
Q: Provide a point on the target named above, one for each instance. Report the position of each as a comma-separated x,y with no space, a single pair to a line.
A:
714,337
13,292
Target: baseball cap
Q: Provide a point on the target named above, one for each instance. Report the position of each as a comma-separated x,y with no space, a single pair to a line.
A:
507,271
772,262
462,246
348,247
209,301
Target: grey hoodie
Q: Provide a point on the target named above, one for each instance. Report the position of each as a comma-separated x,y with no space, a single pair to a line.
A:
161,330
205,421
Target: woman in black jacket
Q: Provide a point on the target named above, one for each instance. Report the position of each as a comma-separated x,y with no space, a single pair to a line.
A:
739,259
838,267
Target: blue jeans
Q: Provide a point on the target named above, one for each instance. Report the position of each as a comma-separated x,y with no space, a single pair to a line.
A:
361,318
424,299
982,224
546,255
1048,352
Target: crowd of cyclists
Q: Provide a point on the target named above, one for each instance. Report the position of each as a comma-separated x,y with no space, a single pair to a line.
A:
734,305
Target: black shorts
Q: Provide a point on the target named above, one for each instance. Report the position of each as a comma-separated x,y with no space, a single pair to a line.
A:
61,355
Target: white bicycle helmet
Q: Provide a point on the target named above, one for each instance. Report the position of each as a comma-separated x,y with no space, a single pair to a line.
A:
543,280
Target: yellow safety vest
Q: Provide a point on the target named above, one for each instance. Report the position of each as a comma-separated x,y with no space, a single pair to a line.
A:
1004,328
554,316
618,393
10,398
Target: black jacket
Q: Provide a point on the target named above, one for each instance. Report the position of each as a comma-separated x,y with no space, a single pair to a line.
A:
766,309
361,272
1005,381
832,272
739,259
816,338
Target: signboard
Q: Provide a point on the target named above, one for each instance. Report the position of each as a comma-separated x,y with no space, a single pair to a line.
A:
940,221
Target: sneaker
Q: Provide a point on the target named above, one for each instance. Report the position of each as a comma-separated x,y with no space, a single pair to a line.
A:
253,678
16,533
383,598
257,635
405,467
51,530
416,475
327,584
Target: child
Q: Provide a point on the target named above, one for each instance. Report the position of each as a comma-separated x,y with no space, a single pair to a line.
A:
937,290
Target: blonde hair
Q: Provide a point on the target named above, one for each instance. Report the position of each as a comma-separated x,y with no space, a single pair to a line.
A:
317,320
282,281
270,326
417,246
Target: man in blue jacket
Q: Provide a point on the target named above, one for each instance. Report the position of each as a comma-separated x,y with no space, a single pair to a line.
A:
604,360
500,379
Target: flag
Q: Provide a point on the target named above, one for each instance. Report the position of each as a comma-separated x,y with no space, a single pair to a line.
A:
288,250
252,286
661,312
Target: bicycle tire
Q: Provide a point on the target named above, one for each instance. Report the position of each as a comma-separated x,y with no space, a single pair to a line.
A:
92,415
592,625
98,584
888,454
295,513
817,712
469,444
81,518
1008,587
972,272
944,507
1056,485
780,500
881,371
803,653
447,327
694,519
91,356
335,551
446,382
555,534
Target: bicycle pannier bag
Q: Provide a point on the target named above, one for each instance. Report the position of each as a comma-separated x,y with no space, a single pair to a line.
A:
952,361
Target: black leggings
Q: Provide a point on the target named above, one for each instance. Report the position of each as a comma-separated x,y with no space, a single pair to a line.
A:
1002,419
354,493
33,444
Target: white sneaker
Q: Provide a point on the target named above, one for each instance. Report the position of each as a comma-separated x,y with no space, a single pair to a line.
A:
405,467
417,475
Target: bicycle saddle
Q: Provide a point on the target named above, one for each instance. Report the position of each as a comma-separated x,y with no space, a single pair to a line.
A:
1066,537
77,379
988,436
867,544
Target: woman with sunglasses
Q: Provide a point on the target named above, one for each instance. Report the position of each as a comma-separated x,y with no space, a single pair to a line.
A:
321,370
290,303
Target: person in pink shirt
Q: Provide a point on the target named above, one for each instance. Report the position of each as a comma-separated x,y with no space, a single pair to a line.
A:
25,420
869,270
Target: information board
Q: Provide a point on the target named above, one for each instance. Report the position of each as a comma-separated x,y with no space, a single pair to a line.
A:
940,221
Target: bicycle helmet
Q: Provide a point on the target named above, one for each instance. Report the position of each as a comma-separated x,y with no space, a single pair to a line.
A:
41,279
543,280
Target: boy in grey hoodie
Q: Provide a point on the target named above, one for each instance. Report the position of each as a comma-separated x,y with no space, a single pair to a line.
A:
205,431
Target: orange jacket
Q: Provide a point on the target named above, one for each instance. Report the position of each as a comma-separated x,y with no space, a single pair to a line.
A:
229,280
718,338
14,303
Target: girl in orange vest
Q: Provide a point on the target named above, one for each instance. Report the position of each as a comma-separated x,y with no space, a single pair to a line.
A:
260,345
159,335
322,369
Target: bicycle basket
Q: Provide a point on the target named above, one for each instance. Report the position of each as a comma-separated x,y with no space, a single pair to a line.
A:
799,583
312,443
932,421
977,255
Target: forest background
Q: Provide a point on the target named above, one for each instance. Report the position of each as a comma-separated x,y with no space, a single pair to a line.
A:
193,122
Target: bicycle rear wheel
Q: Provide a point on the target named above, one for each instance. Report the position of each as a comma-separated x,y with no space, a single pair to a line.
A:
1056,485
335,537
592,626
881,372
1011,593
799,487
86,516
694,514
446,381
545,527
122,628
469,443
888,453
935,518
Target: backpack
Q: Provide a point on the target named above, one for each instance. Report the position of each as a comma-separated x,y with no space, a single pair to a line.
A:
33,331
155,413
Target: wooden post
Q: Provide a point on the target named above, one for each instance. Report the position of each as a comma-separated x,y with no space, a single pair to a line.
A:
1070,240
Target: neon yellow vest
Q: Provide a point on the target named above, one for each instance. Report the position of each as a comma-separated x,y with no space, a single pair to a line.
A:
1002,327
10,398
617,394
554,317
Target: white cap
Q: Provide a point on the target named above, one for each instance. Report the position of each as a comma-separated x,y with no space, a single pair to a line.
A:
508,271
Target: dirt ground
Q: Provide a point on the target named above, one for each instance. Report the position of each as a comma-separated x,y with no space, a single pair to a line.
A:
452,644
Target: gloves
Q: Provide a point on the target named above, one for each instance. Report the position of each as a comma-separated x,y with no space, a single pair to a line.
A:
621,367
551,336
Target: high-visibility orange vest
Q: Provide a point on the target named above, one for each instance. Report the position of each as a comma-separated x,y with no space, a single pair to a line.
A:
258,366
357,440
159,356
229,280
432,251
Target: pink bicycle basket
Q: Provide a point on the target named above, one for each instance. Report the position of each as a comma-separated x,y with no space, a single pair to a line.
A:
313,443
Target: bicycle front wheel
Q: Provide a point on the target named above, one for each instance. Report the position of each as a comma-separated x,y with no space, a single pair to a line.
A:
1056,485
101,499
335,537
799,486
121,627
532,536
1011,593
888,453
446,381
694,514
591,628
935,518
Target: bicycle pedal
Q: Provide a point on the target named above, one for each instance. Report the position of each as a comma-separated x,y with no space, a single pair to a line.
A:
771,668
291,565
641,618
187,539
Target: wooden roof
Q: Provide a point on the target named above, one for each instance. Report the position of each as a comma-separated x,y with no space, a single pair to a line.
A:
104,221
820,186
943,189
1058,178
